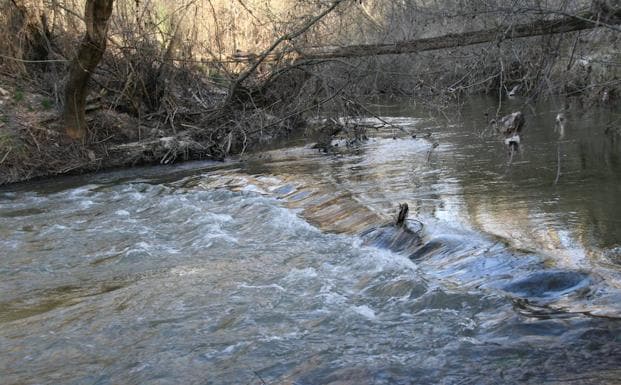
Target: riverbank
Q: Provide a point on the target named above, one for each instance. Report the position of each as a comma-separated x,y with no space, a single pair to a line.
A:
33,143
198,82
195,118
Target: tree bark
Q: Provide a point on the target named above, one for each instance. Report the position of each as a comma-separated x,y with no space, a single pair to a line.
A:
96,16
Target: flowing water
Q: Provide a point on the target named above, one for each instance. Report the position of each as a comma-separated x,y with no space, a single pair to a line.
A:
285,268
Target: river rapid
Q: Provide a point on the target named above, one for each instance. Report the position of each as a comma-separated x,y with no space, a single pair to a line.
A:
284,268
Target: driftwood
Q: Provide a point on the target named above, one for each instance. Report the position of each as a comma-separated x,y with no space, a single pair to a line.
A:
165,149
511,124
402,215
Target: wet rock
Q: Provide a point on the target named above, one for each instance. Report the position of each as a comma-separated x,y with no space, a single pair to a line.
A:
427,249
399,239
549,284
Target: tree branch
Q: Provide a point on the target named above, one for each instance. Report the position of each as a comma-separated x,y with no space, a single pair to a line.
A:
290,36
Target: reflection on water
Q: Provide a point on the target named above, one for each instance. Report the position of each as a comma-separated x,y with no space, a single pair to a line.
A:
286,269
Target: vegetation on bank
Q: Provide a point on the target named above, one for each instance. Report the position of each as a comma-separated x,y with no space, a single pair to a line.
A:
202,79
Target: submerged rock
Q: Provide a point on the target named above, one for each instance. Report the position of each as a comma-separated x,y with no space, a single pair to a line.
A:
549,284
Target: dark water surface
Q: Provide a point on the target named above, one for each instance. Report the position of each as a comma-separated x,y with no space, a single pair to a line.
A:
284,269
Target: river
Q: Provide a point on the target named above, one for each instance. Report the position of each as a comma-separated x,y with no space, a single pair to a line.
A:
279,268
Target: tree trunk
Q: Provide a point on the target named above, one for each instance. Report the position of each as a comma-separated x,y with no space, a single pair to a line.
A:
90,52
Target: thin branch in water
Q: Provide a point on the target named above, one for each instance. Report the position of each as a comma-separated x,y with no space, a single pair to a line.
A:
260,378
558,162
433,146
359,105
501,84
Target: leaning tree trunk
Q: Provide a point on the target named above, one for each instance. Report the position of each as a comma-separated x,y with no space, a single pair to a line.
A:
90,52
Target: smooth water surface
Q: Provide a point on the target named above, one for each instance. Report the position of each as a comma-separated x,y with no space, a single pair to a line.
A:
284,268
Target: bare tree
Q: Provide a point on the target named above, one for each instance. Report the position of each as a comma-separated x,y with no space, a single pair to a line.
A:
96,16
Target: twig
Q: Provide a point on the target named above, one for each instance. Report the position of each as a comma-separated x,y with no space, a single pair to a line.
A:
433,146
375,115
573,51
33,138
6,155
34,61
558,162
500,86
260,378
249,11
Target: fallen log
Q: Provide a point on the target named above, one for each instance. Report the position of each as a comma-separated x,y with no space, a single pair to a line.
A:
598,17
578,22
